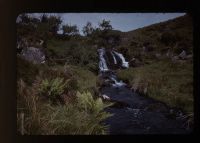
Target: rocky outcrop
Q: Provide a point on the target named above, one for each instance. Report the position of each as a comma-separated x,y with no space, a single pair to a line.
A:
34,55
105,97
31,50
182,55
158,55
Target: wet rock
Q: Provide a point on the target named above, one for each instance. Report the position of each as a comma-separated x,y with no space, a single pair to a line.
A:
34,55
105,97
135,111
189,56
118,104
144,49
183,55
148,128
175,58
156,107
107,82
41,42
140,88
158,55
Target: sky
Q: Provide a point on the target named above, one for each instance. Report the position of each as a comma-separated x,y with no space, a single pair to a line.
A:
119,21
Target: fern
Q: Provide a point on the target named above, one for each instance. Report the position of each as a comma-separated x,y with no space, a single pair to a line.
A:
53,88
83,118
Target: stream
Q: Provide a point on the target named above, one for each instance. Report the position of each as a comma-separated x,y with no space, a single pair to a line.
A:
133,113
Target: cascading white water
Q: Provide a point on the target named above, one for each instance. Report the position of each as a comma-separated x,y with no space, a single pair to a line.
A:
125,64
116,83
102,63
115,61
103,66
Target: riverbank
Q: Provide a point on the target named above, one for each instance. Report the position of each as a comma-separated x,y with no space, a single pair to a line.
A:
164,81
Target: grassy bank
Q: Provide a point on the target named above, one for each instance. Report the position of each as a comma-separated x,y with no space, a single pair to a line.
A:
171,83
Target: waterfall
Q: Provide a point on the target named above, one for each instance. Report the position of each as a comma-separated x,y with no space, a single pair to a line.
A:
102,63
115,61
125,64
116,83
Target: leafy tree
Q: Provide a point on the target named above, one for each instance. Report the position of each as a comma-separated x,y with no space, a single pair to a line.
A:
88,29
54,23
44,18
105,25
24,18
25,25
70,30
107,37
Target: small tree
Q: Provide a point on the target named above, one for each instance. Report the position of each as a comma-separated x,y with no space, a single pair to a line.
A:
70,30
24,18
105,25
88,29
104,31
54,23
44,18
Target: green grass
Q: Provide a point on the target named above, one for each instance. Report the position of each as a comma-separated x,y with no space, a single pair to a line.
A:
86,79
83,115
171,83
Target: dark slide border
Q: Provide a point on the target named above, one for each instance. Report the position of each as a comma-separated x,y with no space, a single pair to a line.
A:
10,9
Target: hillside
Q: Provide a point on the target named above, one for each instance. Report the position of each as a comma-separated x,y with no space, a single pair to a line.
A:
160,56
171,36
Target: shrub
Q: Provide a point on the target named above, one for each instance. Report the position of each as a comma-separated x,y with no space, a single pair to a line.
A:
26,70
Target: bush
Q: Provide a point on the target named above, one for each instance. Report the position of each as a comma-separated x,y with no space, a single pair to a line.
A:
26,70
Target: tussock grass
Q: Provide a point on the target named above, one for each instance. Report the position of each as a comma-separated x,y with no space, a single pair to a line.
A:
86,79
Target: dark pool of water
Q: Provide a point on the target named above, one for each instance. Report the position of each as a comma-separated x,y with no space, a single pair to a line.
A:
135,114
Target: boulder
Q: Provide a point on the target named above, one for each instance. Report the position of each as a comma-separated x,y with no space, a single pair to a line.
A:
34,55
169,54
144,49
41,42
156,107
158,55
183,55
175,58
189,56
105,97
135,62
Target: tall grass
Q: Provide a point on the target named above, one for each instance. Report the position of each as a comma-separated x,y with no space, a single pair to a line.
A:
169,82
82,116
